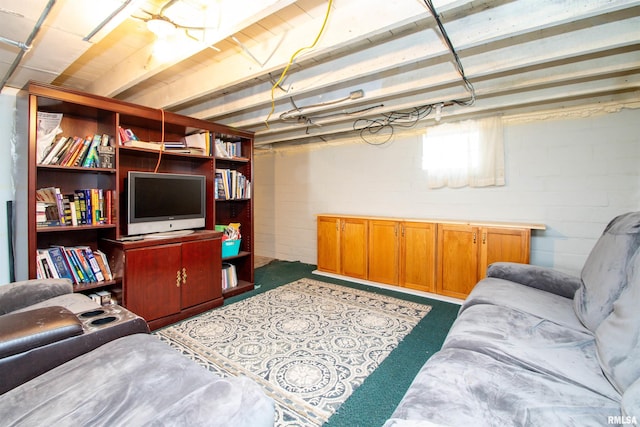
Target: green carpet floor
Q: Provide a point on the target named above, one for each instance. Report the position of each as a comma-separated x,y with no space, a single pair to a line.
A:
374,401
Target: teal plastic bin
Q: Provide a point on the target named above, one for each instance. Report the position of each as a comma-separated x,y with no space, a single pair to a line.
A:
230,248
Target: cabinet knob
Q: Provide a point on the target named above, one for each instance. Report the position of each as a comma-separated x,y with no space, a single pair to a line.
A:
184,275
178,278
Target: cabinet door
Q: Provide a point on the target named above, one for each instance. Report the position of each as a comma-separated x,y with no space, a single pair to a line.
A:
329,244
457,259
503,244
417,256
153,278
201,274
353,247
383,251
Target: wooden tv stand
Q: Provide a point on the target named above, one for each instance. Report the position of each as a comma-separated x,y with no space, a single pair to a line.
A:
167,280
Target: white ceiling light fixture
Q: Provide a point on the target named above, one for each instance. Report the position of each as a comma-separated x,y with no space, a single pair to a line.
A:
178,25
161,27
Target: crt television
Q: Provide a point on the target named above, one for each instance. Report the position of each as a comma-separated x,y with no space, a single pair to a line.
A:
165,202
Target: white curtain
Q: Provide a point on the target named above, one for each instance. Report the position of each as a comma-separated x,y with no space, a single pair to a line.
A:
468,153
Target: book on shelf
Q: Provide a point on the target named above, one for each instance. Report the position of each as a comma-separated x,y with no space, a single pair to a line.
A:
103,262
96,271
80,264
56,148
230,149
60,262
143,144
89,206
200,141
229,276
44,266
90,159
126,135
47,213
73,147
106,156
78,157
231,184
77,151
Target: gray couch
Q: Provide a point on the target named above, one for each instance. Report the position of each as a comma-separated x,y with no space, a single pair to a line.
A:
535,347
66,361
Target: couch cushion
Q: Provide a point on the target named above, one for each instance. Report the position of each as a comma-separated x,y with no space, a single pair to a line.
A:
19,295
74,302
604,272
618,336
523,298
133,381
531,343
631,403
459,387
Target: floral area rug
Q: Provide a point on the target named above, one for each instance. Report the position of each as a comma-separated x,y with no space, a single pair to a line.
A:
308,343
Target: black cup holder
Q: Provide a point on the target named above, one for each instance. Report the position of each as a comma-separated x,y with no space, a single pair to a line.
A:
103,321
92,313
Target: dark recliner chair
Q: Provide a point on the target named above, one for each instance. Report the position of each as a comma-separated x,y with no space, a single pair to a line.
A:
43,324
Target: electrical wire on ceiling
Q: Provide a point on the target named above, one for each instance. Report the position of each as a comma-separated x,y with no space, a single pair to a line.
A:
297,113
293,57
371,129
458,63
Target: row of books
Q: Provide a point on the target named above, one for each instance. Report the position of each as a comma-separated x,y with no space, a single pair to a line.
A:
229,276
228,149
91,151
80,264
195,143
198,143
231,184
91,206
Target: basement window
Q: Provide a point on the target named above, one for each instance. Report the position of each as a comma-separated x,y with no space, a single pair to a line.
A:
468,153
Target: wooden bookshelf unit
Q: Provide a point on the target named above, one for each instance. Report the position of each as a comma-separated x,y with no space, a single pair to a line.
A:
145,280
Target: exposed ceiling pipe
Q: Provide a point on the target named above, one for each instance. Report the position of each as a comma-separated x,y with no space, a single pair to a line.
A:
27,44
19,45
106,21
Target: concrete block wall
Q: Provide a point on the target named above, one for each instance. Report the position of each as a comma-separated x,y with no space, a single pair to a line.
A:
572,174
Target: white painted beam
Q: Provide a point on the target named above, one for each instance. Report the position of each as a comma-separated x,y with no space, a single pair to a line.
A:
139,67
509,59
497,100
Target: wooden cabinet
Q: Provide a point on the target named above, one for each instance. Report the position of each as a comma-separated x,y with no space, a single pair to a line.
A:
417,255
353,247
503,244
384,251
342,246
170,279
447,258
465,252
329,244
457,270
147,285
402,253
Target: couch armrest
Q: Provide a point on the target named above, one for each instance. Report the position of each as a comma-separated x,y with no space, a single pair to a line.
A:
543,278
24,331
17,295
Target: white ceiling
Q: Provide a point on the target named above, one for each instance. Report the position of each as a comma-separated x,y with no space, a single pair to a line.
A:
519,55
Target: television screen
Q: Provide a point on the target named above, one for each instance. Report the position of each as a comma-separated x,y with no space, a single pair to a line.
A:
161,202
